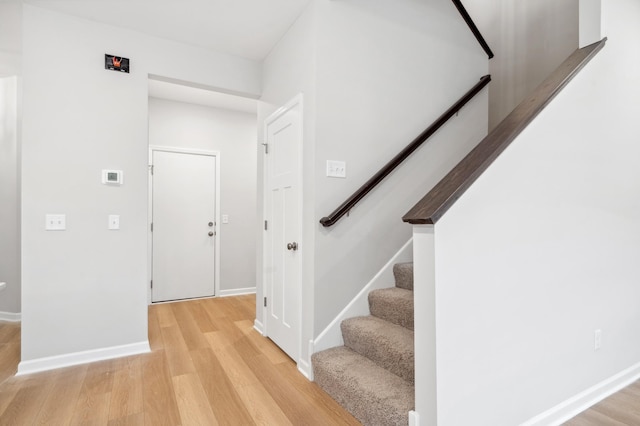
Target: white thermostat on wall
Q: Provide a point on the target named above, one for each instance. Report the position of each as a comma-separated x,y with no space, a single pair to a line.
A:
112,177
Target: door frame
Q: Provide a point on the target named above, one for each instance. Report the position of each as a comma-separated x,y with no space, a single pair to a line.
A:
218,228
296,101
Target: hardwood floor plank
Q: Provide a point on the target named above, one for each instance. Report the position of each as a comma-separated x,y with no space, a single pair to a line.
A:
223,398
59,406
192,401
593,418
132,420
201,317
155,334
95,395
191,333
27,402
126,396
176,351
160,406
165,315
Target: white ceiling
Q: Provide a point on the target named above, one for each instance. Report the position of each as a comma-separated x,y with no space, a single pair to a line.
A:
246,28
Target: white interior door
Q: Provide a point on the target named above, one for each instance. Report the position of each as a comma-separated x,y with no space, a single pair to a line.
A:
183,237
282,237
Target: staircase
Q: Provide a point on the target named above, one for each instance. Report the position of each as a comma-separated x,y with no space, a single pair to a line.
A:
372,375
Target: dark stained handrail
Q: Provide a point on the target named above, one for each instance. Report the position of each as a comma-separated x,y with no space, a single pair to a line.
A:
472,26
345,207
437,201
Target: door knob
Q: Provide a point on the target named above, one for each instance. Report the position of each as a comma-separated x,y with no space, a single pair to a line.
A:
210,223
211,233
292,246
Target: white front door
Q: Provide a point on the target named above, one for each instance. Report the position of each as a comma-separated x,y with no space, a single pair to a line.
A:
283,202
184,212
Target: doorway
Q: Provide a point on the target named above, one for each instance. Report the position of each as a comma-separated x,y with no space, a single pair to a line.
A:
184,217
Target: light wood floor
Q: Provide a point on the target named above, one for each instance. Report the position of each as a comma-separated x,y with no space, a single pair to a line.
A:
620,409
207,367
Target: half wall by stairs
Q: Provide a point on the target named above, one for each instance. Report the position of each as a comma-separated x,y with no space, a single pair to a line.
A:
372,375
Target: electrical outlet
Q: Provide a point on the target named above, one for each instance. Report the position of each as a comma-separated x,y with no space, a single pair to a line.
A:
597,339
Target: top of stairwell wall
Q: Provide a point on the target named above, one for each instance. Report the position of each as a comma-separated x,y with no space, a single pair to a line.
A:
530,39
384,71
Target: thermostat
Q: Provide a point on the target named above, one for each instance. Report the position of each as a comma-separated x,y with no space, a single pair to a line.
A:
112,177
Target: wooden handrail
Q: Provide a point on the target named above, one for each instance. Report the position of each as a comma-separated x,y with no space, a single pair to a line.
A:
345,207
472,26
431,208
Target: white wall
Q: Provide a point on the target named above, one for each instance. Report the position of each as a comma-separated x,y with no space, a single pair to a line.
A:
233,135
10,38
366,72
385,71
529,40
542,250
9,199
85,289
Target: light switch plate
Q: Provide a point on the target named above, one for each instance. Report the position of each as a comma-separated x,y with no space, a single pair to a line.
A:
114,221
225,218
336,169
55,222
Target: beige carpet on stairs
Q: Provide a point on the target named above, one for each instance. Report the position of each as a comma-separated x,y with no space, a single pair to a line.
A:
372,375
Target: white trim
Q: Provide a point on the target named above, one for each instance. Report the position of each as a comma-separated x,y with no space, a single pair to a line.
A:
10,316
582,401
414,418
331,336
218,227
237,291
296,101
257,326
67,360
305,369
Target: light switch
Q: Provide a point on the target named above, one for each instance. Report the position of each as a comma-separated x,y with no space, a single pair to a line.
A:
114,221
55,222
225,218
336,169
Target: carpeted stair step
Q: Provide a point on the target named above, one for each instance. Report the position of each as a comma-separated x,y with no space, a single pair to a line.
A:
388,345
375,396
393,304
403,272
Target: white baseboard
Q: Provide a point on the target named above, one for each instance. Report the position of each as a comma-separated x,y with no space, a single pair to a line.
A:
580,402
10,316
67,360
331,336
305,369
257,325
237,291
414,418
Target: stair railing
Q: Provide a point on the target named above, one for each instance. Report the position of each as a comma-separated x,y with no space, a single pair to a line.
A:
442,196
385,171
472,26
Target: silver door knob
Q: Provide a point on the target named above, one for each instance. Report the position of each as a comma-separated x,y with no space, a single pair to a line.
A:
210,223
292,246
211,233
